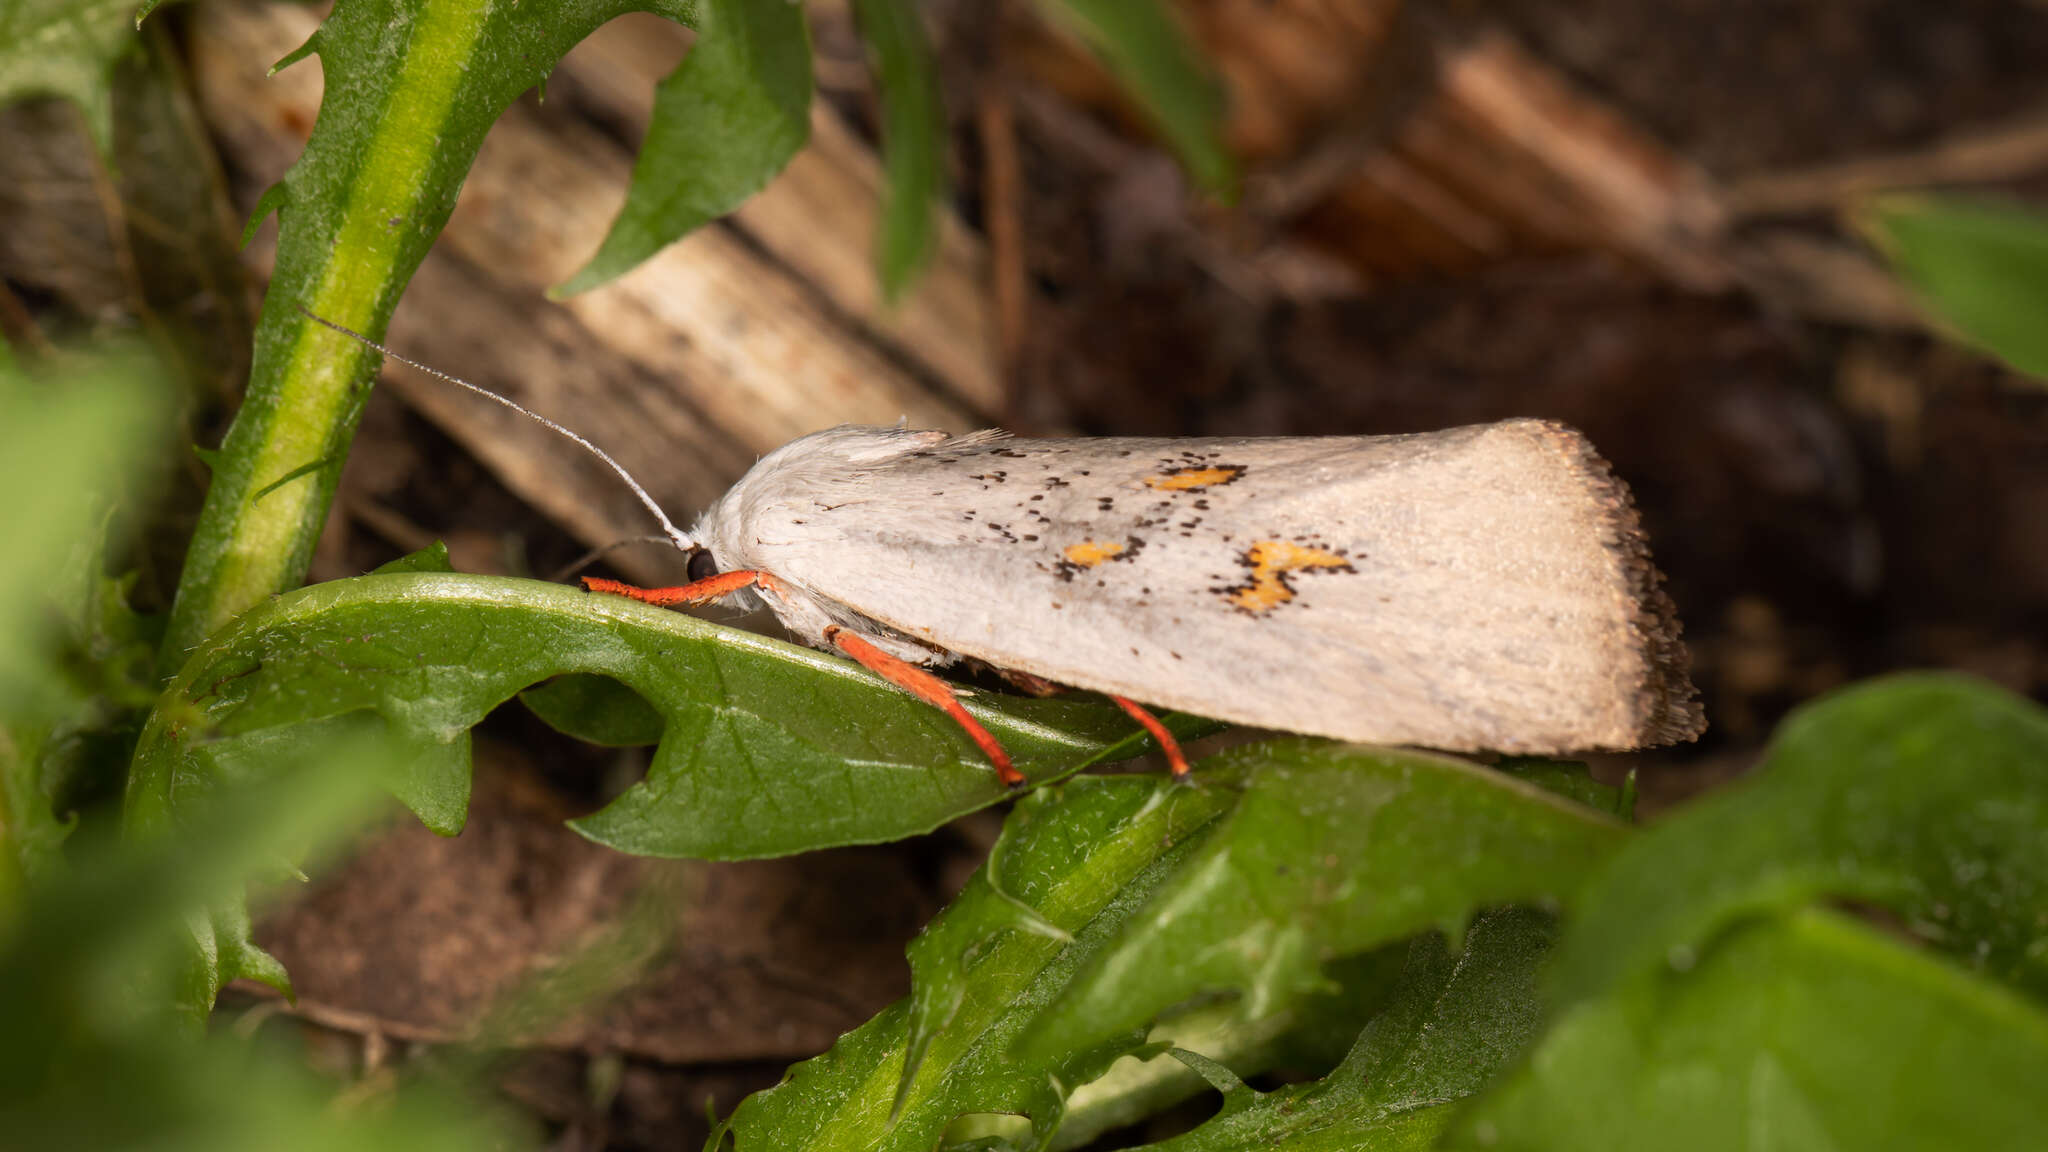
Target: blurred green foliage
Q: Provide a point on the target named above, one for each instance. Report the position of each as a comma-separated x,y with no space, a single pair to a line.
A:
94,927
73,659
1981,268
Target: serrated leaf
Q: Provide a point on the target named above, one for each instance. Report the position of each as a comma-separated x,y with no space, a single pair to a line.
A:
65,450
100,660
1982,268
767,748
725,122
64,447
427,773
1334,850
432,558
1926,793
1039,855
1456,1020
597,711
1147,50
1314,1036
91,1061
1073,861
770,748
411,87
92,931
1801,1031
913,138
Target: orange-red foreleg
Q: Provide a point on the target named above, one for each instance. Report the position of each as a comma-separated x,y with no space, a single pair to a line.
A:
702,592
931,690
1175,758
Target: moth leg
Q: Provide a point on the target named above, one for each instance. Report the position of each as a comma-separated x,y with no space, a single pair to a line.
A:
1168,746
701,592
931,690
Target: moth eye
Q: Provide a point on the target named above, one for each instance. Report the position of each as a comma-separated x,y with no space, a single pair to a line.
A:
702,566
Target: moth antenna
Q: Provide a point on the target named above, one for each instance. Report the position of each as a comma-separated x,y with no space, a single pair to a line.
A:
595,554
670,533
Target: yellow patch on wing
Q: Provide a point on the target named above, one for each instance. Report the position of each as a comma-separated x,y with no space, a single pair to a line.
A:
1089,553
1194,479
1270,562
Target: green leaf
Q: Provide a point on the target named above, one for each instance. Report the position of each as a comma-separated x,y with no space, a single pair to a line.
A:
1456,1020
411,87
725,122
89,930
1313,1037
1073,861
1076,863
66,448
1041,855
426,772
92,1061
597,711
103,671
432,558
1802,1031
1570,779
1334,850
767,748
66,48
857,763
1925,793
913,138
1982,268
1145,46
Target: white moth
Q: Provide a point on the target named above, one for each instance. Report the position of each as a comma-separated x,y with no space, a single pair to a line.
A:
1481,588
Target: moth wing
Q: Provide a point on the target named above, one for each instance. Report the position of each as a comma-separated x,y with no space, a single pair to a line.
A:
1479,588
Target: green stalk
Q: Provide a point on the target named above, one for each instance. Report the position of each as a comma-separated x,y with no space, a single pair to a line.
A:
412,86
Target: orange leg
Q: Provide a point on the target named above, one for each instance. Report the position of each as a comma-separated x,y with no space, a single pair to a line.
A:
904,675
931,690
702,592
1175,759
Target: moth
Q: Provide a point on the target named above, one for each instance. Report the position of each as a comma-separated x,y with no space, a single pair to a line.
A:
1482,588
1485,588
